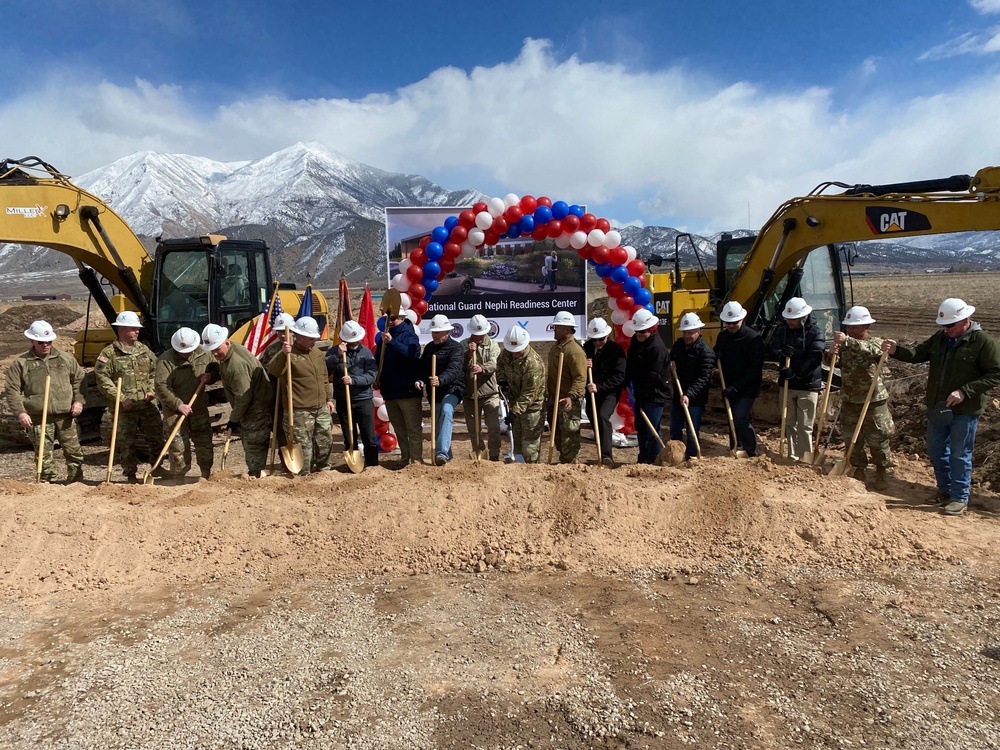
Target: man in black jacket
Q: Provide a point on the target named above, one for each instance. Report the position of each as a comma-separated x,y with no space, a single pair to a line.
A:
646,370
361,372
449,382
607,361
740,350
800,343
694,360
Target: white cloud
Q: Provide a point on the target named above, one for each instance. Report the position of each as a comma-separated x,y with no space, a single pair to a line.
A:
986,6
685,150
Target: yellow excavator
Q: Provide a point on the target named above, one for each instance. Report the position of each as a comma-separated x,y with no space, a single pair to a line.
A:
803,248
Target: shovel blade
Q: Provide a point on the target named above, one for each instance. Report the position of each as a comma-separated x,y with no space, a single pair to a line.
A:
292,456
148,478
808,457
838,469
355,461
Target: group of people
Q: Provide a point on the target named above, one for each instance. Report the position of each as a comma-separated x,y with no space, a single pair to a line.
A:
511,385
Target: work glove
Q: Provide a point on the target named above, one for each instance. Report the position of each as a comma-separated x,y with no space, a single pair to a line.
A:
731,393
785,373
788,350
233,427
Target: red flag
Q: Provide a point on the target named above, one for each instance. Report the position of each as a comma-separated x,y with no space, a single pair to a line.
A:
367,320
262,334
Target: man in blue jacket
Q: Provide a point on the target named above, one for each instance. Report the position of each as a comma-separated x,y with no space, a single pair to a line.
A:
400,383
740,350
448,380
361,373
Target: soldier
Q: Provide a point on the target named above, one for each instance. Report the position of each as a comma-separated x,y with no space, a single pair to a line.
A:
571,386
132,361
312,399
607,360
67,393
179,370
282,322
522,372
449,382
361,372
248,390
647,370
859,354
482,377
693,359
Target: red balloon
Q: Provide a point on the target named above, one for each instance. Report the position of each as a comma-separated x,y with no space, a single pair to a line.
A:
381,427
571,223
544,201
600,255
617,255
528,204
492,237
603,224
466,219
614,290
425,241
554,228
623,341
415,273
447,264
513,214
478,208
500,226
452,250
635,309
419,307
416,291
623,409
418,257
588,222
585,252
459,234
387,442
625,302
636,268
540,233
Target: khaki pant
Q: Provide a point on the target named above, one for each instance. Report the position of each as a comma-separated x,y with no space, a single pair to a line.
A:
799,421
489,409
405,417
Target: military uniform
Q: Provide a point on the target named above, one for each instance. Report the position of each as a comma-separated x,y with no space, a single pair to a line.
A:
248,390
25,393
175,381
136,366
312,423
858,359
525,377
488,394
573,386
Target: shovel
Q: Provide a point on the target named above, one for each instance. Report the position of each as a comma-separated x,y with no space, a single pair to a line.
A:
840,467
737,452
225,450
114,430
593,409
41,437
148,477
783,447
291,453
555,409
510,457
355,461
660,459
816,456
274,438
389,308
687,412
434,367
477,453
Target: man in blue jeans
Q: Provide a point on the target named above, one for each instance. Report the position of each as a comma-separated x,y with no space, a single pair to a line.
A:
964,366
448,381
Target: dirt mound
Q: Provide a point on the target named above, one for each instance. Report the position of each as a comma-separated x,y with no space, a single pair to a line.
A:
20,317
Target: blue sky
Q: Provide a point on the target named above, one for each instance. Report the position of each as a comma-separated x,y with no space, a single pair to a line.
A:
696,115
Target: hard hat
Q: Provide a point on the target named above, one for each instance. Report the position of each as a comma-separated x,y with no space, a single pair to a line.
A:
733,312
184,340
564,318
351,332
127,319
479,325
598,328
689,322
516,339
307,327
796,308
858,316
40,331
283,321
953,310
643,320
440,323
410,315
213,336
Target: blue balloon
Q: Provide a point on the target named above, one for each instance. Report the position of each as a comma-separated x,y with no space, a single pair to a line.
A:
602,269
432,269
618,274
591,261
431,286
543,215
651,308
434,251
526,224
642,297
631,285
513,231
576,210
381,323
378,338
559,210
440,234
450,223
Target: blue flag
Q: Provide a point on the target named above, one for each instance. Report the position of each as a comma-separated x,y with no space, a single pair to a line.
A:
306,308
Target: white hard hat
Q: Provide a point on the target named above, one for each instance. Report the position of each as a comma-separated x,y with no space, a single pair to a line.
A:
598,328
307,327
564,318
516,339
689,322
479,325
953,310
213,336
732,312
858,316
283,321
127,319
40,330
440,323
410,315
796,308
643,319
184,340
351,332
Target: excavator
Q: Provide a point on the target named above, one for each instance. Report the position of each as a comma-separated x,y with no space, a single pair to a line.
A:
801,251
186,282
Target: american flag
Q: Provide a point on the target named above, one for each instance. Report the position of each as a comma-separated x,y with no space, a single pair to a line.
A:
262,335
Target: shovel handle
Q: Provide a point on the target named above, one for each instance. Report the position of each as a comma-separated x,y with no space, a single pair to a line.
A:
687,412
475,408
177,428
555,407
729,410
114,429
864,407
288,384
347,397
826,401
434,368
41,437
649,424
782,438
593,408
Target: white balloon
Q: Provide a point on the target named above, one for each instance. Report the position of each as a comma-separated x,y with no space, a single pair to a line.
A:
468,252
578,239
383,413
596,238
627,328
631,253
612,304
377,400
400,283
510,200
404,264
483,220
495,206
618,317
612,239
468,246
617,421
476,237
404,300
562,241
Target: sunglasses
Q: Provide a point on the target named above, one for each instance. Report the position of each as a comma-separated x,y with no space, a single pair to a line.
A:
951,325
734,323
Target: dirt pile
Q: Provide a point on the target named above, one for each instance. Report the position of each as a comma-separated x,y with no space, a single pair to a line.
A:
19,317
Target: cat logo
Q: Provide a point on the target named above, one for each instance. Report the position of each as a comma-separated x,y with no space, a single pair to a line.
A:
893,221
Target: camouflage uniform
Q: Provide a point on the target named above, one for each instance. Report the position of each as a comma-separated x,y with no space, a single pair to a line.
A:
525,377
25,395
858,359
489,396
248,390
312,424
572,385
136,366
175,382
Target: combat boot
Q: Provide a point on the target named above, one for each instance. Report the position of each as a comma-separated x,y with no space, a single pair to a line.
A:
860,475
74,475
880,481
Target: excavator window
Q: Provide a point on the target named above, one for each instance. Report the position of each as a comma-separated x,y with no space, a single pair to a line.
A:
183,292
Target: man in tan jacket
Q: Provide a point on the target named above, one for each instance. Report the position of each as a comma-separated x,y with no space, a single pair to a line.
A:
572,386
